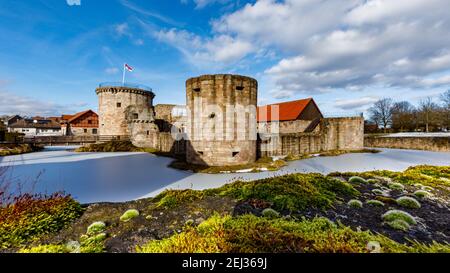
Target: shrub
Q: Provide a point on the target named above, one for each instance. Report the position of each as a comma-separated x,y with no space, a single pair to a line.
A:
129,214
399,224
356,204
270,213
375,203
396,186
422,194
251,234
96,227
357,180
31,216
408,202
393,215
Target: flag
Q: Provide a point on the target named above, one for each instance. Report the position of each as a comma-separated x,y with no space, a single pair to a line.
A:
129,68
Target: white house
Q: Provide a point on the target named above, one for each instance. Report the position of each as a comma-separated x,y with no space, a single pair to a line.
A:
32,128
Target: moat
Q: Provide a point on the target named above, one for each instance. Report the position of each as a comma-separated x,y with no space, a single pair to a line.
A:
117,177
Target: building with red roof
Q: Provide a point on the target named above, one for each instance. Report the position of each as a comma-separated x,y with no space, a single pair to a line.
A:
290,117
80,124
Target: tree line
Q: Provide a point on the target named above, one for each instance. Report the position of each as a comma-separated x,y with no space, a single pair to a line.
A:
402,116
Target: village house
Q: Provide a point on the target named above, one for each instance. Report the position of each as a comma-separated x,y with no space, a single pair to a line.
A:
36,127
292,117
81,124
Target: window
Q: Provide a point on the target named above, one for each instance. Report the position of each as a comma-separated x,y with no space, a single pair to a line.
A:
94,131
119,105
148,132
85,131
89,121
235,154
239,88
135,116
200,152
197,89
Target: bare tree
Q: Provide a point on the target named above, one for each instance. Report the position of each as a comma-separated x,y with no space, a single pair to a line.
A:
402,116
445,98
381,113
428,111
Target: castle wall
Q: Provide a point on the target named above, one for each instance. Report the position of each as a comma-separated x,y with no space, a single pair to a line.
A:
332,134
285,127
215,137
437,144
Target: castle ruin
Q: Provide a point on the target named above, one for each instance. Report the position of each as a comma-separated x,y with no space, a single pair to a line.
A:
221,124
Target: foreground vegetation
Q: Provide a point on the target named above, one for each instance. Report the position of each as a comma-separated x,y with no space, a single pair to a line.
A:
377,211
113,146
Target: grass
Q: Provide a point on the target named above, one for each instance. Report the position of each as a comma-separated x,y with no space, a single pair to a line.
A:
264,163
114,146
6,150
251,234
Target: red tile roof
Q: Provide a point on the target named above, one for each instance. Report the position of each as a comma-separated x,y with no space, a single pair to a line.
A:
289,110
77,115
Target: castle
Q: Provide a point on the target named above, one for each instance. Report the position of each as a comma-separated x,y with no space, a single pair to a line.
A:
221,124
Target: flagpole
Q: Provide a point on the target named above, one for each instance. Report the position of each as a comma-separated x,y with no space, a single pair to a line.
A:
123,76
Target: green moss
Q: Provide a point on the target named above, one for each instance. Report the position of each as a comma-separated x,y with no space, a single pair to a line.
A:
399,224
375,203
129,214
422,194
408,202
45,249
356,204
93,243
270,213
373,181
393,215
173,198
251,234
427,188
396,186
357,180
386,200
378,191
96,227
291,192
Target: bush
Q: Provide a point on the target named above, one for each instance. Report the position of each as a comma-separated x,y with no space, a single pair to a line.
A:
393,215
399,224
357,180
129,214
375,203
408,202
270,213
96,227
396,186
356,204
422,194
31,216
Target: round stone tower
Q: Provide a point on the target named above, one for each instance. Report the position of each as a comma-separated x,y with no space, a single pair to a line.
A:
221,125
122,107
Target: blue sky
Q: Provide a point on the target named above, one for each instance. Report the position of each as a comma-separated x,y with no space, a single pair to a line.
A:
345,54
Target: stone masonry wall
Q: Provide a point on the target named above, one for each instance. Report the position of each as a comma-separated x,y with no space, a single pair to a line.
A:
333,134
437,144
285,127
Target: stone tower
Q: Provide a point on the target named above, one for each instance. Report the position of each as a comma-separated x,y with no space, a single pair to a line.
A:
125,111
221,120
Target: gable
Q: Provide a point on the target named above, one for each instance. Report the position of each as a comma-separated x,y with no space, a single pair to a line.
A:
292,110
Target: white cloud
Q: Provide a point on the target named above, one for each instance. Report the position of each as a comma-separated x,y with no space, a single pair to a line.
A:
342,44
13,104
111,70
205,51
122,29
199,4
354,104
73,2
